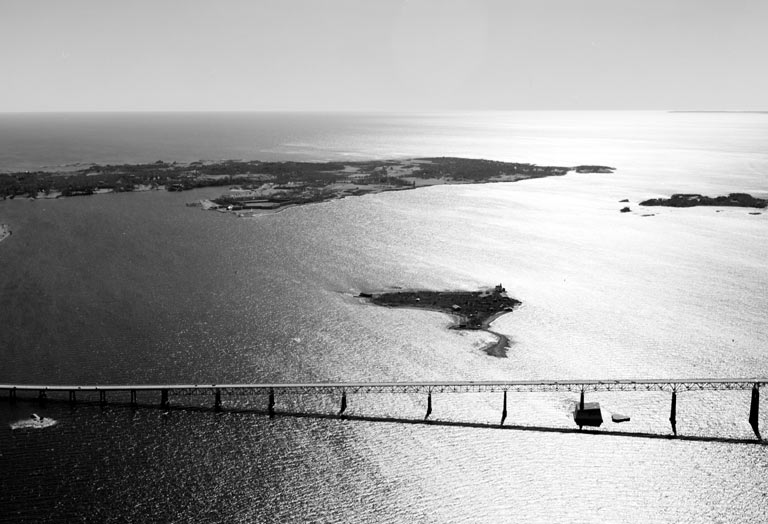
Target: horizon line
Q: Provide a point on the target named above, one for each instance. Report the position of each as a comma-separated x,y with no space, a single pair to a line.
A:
358,111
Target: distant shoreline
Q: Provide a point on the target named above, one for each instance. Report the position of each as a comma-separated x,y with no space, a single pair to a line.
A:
256,187
719,111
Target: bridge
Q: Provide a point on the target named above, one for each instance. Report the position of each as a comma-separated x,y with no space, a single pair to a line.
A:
342,389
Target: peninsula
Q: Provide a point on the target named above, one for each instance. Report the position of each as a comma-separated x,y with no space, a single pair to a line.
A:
256,186
692,199
471,310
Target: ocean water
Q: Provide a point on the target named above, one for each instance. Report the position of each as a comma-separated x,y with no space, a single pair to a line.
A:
138,288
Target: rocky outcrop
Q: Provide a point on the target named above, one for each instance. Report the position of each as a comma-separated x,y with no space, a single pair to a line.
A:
693,199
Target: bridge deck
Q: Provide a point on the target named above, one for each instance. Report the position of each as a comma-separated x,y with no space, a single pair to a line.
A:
677,385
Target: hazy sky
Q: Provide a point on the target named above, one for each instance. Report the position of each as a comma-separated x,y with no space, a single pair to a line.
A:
382,55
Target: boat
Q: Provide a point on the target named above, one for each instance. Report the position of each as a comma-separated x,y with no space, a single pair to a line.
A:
587,414
35,421
617,417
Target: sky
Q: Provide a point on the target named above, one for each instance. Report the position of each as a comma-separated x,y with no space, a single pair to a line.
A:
387,55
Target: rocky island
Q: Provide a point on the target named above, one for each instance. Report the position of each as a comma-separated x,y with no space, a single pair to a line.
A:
473,310
693,199
256,186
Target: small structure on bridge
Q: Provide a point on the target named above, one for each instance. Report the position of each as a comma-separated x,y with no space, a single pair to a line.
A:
587,414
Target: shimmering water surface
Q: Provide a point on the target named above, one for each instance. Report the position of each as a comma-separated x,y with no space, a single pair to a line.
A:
139,288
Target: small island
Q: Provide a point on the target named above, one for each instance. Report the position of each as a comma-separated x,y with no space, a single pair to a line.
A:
256,187
5,232
472,310
693,199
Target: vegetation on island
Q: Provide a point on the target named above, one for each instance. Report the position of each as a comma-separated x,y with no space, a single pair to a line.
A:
117,178
692,199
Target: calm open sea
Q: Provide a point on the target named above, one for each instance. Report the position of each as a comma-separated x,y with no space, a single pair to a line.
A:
139,288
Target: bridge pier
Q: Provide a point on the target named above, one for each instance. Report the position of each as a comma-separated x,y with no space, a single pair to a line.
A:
673,412
217,405
42,396
12,395
504,409
429,405
343,403
72,397
102,398
271,404
133,398
754,410
581,405
164,398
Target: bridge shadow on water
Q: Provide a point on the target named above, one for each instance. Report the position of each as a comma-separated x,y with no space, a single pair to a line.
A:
515,427
412,421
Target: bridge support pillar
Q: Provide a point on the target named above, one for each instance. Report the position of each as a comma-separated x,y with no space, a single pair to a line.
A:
12,395
504,410
102,397
164,398
429,405
217,405
42,396
271,404
754,411
673,413
581,406
133,398
343,403
72,397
